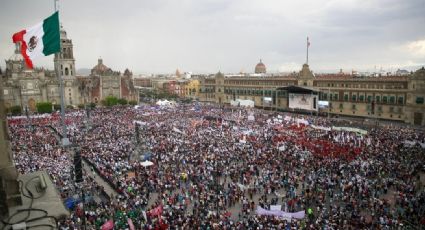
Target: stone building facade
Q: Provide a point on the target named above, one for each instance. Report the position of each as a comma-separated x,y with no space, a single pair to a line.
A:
23,87
104,82
397,98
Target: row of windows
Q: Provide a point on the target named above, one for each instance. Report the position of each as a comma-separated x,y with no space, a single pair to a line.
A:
324,96
241,82
365,86
344,85
362,98
254,92
332,96
207,90
378,108
378,99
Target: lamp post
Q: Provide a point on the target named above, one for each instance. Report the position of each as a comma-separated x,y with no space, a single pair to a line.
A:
263,101
329,104
276,98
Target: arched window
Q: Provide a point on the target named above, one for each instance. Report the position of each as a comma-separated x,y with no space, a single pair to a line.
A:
66,71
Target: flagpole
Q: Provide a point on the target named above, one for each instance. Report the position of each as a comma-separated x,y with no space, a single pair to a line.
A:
65,140
307,51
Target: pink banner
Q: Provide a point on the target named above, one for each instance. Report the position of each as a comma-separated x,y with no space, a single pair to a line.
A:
108,225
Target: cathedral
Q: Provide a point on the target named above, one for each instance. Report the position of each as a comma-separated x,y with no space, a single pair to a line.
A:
25,87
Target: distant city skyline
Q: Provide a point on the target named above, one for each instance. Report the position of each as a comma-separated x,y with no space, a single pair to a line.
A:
207,36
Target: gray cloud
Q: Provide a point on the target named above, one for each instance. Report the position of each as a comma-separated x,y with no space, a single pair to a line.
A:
210,35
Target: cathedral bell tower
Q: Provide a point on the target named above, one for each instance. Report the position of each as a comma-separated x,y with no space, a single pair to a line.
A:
64,61
65,67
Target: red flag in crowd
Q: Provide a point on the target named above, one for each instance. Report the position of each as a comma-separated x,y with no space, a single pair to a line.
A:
156,211
162,225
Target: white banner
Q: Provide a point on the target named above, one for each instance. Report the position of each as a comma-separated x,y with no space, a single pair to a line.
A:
321,127
302,121
31,116
288,215
350,129
142,123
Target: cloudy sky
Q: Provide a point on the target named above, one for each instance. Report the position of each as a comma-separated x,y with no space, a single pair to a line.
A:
205,36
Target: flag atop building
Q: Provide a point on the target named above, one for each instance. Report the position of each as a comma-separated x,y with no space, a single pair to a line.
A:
42,39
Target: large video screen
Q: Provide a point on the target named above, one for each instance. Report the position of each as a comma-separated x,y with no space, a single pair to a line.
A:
302,101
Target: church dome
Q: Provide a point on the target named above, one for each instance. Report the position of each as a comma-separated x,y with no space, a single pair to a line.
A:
101,69
260,67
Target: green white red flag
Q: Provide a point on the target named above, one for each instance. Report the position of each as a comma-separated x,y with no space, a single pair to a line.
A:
42,39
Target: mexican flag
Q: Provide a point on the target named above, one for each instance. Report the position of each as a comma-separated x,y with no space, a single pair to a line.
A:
40,40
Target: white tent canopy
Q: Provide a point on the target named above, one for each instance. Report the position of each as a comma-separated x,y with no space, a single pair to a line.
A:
166,103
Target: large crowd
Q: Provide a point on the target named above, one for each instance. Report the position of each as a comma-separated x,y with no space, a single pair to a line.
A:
214,167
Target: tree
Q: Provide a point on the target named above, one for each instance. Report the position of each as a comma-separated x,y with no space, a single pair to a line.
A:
122,101
187,100
44,107
132,102
14,110
92,105
81,106
110,101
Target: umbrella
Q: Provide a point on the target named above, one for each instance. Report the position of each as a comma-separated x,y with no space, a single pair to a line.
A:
146,163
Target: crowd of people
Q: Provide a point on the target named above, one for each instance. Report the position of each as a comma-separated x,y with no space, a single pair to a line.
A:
214,167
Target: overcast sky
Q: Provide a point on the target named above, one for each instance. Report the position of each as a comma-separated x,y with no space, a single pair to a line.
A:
205,36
